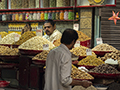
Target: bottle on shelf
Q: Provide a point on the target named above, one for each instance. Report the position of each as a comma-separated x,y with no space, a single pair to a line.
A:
57,15
61,15
4,18
77,16
53,15
38,15
31,15
42,15
71,15
65,14
49,14
34,15
46,15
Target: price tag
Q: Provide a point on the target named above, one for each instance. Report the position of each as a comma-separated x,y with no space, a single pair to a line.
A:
39,32
17,37
77,44
45,47
0,37
88,52
99,40
76,27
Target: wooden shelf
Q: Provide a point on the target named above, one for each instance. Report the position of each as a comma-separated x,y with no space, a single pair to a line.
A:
41,21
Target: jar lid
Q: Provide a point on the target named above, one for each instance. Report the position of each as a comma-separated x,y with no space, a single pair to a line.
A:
61,11
31,12
57,11
53,11
49,11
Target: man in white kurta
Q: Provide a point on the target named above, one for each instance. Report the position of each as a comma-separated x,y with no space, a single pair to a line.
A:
58,72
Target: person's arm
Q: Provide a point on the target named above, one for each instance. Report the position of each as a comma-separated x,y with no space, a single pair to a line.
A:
83,83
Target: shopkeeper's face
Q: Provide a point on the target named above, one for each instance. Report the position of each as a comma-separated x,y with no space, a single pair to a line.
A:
49,28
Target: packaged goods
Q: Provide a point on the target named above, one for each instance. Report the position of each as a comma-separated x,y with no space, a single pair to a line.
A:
104,47
24,37
71,15
62,3
79,74
49,14
34,15
66,15
46,15
36,43
3,34
57,15
37,3
105,69
41,56
3,4
45,3
31,3
25,3
91,61
4,17
53,15
9,39
80,51
61,15
42,15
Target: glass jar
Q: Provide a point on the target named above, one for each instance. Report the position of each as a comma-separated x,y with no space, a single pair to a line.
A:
16,16
13,16
61,15
31,15
34,15
52,3
65,14
53,15
0,16
24,15
46,15
7,16
31,3
37,3
27,15
71,15
42,15
20,16
62,3
4,18
45,3
10,16
38,15
49,14
57,15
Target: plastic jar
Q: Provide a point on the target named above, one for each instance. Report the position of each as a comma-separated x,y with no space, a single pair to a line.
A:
52,3
45,3
61,15
46,15
38,15
62,3
49,14
4,18
20,16
66,15
57,15
34,15
53,15
70,15
31,15
42,15
27,15
0,16
13,16
16,16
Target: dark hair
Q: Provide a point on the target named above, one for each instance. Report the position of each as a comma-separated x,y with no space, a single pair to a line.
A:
50,21
68,36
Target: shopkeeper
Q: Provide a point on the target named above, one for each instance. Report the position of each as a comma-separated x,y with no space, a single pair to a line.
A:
52,33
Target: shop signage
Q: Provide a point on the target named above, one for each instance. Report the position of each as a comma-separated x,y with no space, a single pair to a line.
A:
17,37
45,46
77,44
88,52
99,40
76,26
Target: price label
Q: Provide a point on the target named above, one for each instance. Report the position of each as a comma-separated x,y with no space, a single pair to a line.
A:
77,44
45,47
99,40
0,37
17,37
39,32
76,27
88,52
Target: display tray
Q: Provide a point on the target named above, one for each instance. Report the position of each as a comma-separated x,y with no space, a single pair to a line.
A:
81,57
41,62
10,57
101,53
88,67
4,84
75,62
29,52
9,45
101,75
85,43
84,79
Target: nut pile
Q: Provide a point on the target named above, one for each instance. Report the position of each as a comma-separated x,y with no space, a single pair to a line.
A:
105,69
4,50
114,55
82,36
36,43
41,56
80,51
91,61
9,39
3,34
82,88
24,37
104,47
78,74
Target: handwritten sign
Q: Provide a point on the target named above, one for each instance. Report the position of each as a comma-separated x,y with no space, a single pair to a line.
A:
99,40
45,46
88,52
17,37
39,32
76,27
77,44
